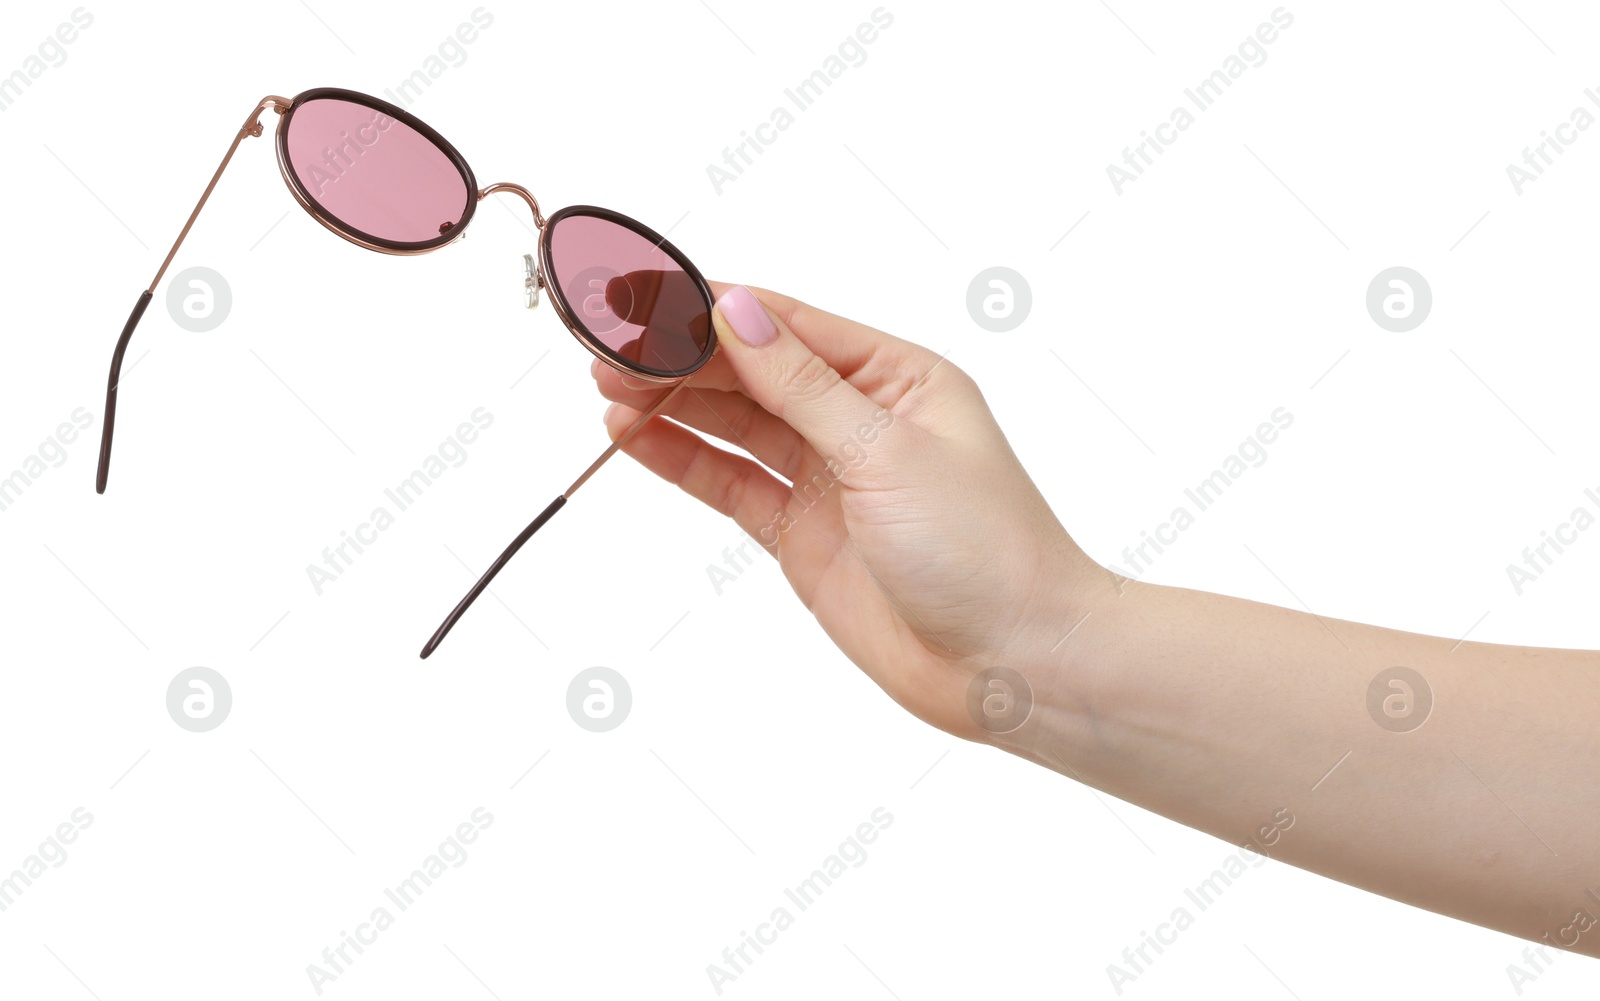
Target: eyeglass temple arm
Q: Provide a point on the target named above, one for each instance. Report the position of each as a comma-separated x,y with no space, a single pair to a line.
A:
544,516
251,127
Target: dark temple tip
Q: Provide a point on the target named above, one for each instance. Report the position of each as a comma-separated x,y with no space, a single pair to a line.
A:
488,575
109,421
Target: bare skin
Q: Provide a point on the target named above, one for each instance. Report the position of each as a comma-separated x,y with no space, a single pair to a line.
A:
931,559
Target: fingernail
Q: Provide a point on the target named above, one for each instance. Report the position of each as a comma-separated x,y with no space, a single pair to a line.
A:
594,370
747,317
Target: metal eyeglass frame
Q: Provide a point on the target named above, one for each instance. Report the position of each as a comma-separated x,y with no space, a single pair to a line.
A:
675,379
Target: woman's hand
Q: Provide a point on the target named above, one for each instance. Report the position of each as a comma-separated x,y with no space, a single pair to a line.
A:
883,486
908,526
905,523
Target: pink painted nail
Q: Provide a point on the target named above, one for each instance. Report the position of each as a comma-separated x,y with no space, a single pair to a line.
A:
747,317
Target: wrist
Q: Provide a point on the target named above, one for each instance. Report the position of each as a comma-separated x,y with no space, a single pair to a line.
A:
1071,655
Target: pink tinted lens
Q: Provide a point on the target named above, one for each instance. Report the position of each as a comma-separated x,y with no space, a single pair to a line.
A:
373,173
629,294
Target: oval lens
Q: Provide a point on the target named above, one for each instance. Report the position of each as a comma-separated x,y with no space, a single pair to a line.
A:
629,294
373,174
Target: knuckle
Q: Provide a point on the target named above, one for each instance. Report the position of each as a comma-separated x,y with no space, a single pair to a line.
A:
728,495
797,315
814,379
744,421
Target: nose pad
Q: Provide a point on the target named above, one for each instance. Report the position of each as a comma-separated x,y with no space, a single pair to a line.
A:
532,281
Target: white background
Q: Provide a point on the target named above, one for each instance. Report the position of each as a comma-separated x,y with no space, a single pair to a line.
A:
1228,281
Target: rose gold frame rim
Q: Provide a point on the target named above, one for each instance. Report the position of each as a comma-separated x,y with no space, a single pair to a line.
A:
333,226
541,271
252,128
567,320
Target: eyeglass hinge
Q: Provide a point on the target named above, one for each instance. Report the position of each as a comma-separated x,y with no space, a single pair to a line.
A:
532,281
252,126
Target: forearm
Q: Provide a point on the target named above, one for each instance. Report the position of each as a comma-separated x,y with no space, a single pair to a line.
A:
1251,722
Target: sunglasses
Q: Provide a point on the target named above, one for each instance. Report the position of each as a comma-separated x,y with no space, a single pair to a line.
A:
377,176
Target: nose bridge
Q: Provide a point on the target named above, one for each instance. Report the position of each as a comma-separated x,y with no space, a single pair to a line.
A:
520,192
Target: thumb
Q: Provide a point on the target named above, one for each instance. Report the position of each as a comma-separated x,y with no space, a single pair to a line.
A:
786,378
